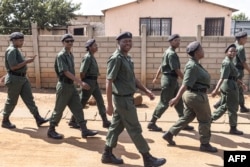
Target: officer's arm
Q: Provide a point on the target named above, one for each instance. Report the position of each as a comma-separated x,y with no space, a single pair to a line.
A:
140,86
109,91
71,76
217,87
176,99
179,73
82,75
109,109
22,64
157,73
245,65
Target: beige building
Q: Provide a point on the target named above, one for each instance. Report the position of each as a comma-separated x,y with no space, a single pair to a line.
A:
91,26
164,17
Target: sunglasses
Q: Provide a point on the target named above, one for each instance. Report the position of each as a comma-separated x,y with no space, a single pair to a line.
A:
68,41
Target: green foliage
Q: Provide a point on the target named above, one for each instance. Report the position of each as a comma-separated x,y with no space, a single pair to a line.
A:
18,15
240,17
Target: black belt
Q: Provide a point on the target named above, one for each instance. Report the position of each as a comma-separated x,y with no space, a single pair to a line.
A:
17,74
91,77
128,95
232,78
239,67
66,80
203,90
171,74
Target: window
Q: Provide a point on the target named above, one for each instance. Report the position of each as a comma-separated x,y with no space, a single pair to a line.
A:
78,31
157,26
214,26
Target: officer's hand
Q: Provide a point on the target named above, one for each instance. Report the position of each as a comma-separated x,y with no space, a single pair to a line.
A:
2,79
85,86
244,87
214,93
154,80
173,102
150,95
110,110
29,60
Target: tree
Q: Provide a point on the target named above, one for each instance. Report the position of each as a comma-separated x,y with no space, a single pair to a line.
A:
18,15
240,17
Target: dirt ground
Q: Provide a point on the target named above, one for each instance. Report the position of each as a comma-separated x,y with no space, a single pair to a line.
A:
28,145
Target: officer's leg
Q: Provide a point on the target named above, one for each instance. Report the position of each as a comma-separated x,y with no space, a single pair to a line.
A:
84,97
13,92
217,104
28,99
62,89
203,114
76,108
97,94
183,121
179,107
114,131
132,125
167,93
232,104
243,108
222,108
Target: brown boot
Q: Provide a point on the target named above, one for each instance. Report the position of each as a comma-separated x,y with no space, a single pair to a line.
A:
150,161
108,156
7,124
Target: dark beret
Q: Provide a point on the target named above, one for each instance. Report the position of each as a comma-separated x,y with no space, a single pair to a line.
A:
172,37
241,34
230,46
124,35
193,46
16,35
66,36
89,43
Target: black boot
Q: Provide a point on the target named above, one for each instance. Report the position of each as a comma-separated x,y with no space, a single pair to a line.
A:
105,122
108,156
86,132
7,124
150,161
53,134
152,125
169,138
243,109
208,148
188,128
216,105
40,120
235,131
73,123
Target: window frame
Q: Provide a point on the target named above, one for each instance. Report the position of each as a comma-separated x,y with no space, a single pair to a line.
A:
150,19
215,33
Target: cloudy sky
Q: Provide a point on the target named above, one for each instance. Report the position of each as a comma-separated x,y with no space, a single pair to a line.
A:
94,7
